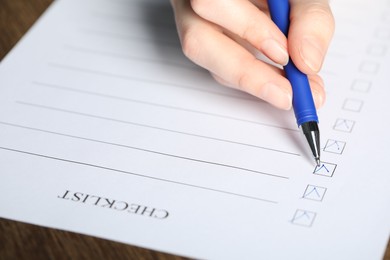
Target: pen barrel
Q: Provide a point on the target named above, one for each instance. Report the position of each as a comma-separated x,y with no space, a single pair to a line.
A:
303,103
280,11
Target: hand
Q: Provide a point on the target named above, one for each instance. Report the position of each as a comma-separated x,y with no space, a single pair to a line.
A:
220,35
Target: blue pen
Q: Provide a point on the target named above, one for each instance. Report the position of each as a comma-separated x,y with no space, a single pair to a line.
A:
303,104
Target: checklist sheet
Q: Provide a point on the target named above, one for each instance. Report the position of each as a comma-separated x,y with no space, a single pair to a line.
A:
107,129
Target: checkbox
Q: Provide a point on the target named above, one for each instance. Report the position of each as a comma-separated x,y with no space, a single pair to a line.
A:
334,146
353,105
361,85
316,193
303,218
325,169
382,33
369,67
377,50
344,125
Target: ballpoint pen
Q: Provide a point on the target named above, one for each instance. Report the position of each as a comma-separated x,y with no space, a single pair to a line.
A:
303,104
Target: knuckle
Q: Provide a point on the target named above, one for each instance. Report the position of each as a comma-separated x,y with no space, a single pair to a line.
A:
190,43
199,6
244,78
222,81
242,81
250,29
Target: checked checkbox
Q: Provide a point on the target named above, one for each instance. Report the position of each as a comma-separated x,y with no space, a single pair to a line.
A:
325,169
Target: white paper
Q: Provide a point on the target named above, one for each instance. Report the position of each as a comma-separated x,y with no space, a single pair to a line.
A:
108,130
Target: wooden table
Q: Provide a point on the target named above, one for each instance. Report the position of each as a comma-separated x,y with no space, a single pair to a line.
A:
25,241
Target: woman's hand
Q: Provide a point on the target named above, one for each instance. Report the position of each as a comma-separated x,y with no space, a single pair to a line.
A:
221,36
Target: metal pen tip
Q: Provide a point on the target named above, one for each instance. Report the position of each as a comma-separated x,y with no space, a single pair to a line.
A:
312,133
318,162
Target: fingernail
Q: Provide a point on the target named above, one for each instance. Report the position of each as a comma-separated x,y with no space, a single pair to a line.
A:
276,96
275,51
311,54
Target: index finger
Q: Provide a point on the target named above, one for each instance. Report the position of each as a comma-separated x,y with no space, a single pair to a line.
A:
246,20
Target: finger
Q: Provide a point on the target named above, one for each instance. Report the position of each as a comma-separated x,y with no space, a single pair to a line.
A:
311,29
207,46
316,84
246,20
222,81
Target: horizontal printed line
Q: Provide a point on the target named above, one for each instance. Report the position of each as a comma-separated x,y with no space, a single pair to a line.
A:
137,175
150,126
125,56
158,105
125,77
120,36
145,150
167,24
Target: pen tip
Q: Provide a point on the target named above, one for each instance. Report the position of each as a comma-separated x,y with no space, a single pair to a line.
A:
318,161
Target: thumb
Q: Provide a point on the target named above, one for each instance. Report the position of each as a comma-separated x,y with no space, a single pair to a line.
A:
311,30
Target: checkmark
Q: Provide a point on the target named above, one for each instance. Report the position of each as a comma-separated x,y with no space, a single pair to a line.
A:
313,192
303,218
334,146
325,169
344,125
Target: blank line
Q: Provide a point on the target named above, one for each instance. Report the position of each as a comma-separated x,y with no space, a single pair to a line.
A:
168,26
125,77
136,174
158,105
120,36
149,126
144,150
129,57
